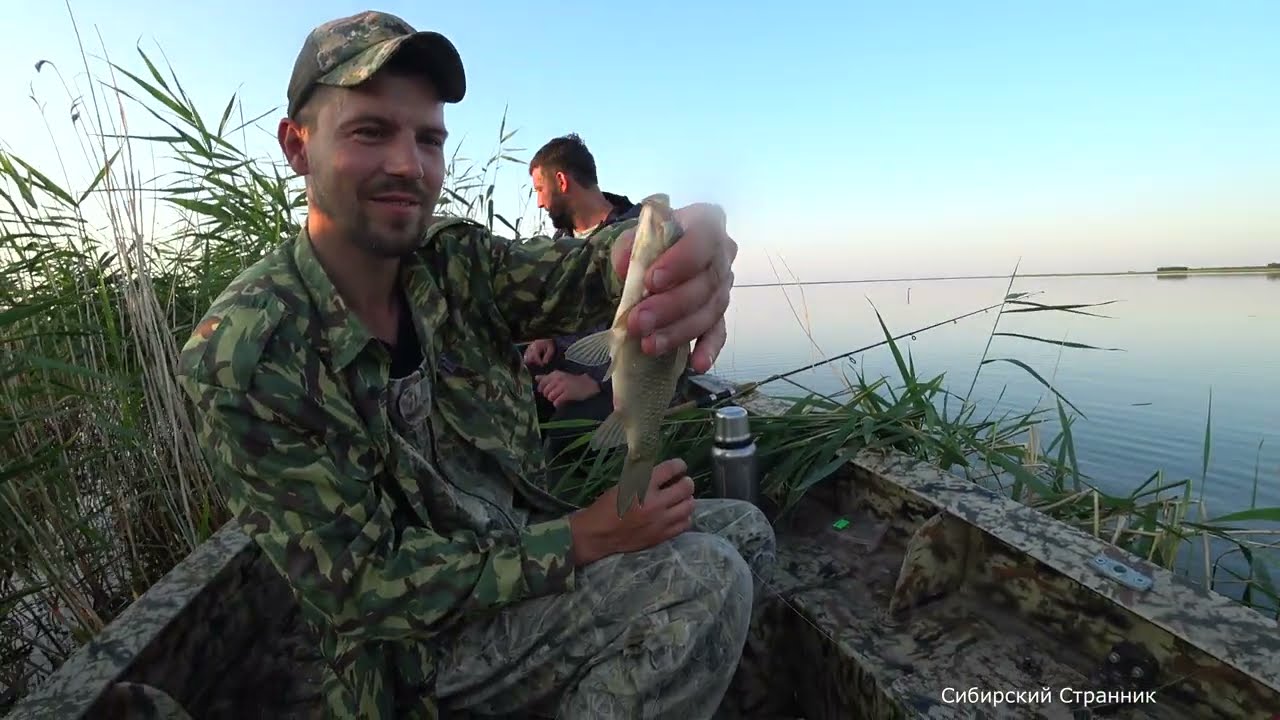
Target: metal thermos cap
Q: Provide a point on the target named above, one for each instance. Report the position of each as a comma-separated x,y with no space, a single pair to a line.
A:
731,425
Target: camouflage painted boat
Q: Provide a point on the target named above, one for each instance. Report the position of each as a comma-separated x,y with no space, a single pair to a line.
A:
902,592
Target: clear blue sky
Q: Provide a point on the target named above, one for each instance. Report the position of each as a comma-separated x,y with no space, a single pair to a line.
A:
853,139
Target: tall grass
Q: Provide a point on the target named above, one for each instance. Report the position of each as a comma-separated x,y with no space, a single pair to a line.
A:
102,487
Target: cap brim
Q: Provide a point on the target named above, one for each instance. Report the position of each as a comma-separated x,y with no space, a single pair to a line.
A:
431,52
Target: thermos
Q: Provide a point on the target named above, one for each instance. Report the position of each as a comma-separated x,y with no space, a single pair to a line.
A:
733,457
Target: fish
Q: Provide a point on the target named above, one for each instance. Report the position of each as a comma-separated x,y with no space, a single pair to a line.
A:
643,385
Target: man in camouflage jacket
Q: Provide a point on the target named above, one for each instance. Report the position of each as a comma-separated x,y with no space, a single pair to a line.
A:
359,395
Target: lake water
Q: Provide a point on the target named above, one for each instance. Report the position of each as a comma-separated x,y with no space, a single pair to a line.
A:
1145,405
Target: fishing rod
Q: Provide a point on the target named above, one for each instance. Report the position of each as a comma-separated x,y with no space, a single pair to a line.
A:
718,396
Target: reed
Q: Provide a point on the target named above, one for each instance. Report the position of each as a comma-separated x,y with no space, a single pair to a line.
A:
104,272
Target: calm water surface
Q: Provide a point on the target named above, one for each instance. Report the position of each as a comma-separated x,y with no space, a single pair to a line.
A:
1145,405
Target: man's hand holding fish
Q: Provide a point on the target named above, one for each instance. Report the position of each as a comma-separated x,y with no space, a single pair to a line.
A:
689,286
675,289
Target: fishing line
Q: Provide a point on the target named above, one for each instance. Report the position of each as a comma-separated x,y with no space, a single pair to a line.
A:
715,398
768,584
745,389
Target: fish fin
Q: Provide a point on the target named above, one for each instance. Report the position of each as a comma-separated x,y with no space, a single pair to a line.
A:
611,433
593,349
634,483
608,372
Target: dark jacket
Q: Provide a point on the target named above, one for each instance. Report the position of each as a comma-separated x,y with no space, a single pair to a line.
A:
623,209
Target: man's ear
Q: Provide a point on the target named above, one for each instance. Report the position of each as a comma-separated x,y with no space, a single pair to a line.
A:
562,181
292,138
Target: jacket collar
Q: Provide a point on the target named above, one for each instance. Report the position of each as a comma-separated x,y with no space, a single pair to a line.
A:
623,209
340,333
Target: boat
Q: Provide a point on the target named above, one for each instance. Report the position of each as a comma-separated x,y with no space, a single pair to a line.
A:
901,591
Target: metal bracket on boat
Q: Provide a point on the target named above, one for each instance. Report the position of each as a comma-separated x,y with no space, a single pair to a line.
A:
1122,573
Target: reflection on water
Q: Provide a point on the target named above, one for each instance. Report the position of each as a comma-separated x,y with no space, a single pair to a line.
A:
1145,404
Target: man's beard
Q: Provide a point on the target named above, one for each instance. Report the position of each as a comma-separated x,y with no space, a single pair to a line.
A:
399,239
561,218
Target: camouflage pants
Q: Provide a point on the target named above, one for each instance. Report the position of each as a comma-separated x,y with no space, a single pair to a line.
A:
651,634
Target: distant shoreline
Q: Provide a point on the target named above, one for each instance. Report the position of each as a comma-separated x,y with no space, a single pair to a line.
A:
1164,271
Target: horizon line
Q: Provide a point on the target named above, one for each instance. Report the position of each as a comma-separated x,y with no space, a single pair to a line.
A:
1258,270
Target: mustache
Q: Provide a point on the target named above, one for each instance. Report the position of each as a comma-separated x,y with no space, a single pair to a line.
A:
408,187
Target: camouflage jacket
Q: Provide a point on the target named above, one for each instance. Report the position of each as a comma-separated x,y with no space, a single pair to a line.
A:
289,390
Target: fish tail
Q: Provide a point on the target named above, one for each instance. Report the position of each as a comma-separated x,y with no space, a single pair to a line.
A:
634,483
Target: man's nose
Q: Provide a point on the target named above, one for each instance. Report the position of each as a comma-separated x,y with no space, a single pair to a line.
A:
404,157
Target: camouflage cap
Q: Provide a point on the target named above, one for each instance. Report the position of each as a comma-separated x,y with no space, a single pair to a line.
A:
347,51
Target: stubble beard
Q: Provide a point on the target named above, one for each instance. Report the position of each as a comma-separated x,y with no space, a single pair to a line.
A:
391,240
